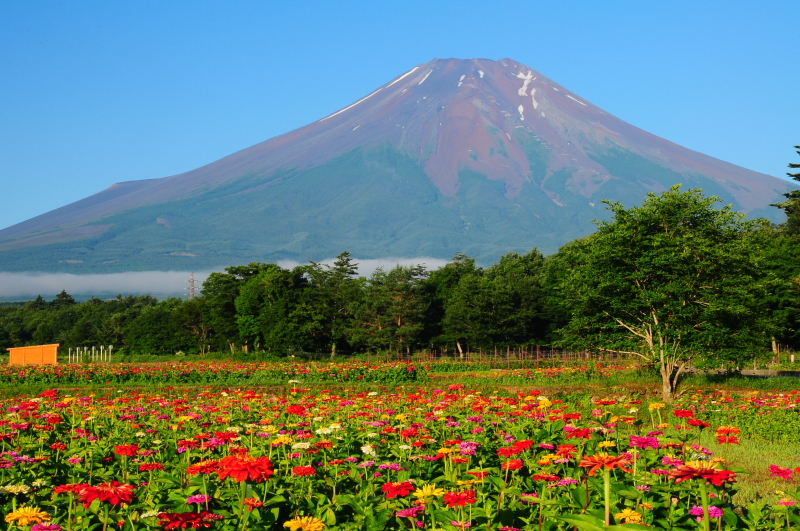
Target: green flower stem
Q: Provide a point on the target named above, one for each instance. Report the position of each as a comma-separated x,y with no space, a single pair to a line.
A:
704,497
607,495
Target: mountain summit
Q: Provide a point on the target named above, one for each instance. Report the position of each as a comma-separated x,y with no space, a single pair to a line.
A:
475,156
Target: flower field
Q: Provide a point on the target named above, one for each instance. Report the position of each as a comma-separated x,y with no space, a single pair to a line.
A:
406,459
217,373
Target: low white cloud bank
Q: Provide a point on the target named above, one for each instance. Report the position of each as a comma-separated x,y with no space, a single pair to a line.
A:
25,285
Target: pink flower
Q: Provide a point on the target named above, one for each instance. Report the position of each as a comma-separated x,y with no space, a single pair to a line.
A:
776,471
411,512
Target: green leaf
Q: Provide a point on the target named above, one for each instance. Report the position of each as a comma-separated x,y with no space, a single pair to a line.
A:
584,522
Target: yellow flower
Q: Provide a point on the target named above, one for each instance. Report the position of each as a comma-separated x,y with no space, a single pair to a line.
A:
279,441
25,516
657,405
630,516
607,444
468,482
445,451
547,459
428,491
401,417
305,523
544,404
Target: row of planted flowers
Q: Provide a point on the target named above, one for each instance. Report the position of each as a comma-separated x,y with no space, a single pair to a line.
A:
220,373
442,459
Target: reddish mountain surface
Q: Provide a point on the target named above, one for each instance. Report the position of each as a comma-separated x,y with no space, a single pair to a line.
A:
520,134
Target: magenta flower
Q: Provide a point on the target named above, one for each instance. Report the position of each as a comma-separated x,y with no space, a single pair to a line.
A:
776,471
411,512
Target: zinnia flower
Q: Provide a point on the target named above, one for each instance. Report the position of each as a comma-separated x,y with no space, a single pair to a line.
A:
203,467
398,488
629,516
776,471
603,460
428,491
305,523
25,516
701,470
304,471
114,493
187,520
255,469
460,498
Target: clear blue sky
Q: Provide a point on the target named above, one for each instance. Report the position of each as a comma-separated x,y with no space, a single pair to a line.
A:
93,93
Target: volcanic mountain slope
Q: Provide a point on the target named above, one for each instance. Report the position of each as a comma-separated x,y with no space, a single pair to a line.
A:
476,156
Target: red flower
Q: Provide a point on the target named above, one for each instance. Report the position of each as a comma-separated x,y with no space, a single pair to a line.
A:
114,493
304,471
129,450
296,410
545,477
257,469
146,467
73,488
701,470
602,460
776,471
398,488
509,451
566,450
483,474
698,423
683,413
512,464
58,446
523,444
187,520
584,433
461,498
727,439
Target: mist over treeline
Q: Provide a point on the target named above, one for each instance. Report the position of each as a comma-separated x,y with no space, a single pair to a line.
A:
749,271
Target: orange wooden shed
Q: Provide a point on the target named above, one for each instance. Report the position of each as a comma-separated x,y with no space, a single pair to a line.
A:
34,355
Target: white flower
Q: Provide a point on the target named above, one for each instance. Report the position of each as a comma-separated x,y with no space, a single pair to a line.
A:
301,446
39,483
372,435
633,410
140,434
318,419
372,393
324,431
404,447
235,429
150,514
368,450
335,426
15,489
293,381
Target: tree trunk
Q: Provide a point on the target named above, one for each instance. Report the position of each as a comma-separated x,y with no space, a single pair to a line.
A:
460,352
333,350
667,391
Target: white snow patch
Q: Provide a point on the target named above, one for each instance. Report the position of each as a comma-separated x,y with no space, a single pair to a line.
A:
424,78
521,109
556,89
481,73
462,77
351,106
356,127
533,99
526,79
573,99
401,77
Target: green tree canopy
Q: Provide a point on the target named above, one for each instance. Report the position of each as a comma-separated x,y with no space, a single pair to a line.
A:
671,281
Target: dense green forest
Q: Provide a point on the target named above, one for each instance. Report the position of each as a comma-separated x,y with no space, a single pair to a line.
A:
740,279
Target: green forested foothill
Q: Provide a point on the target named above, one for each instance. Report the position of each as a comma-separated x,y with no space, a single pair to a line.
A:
672,281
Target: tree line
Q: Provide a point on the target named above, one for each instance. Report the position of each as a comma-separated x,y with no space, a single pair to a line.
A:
672,280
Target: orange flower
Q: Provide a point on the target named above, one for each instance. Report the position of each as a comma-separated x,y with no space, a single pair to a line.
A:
604,460
203,467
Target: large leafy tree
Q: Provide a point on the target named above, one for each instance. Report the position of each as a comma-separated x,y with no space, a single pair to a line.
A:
792,204
671,281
